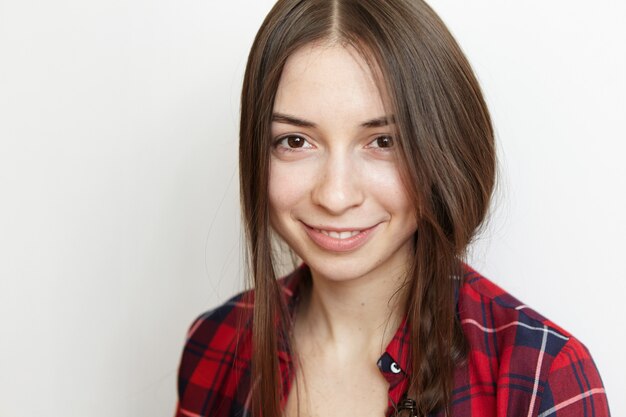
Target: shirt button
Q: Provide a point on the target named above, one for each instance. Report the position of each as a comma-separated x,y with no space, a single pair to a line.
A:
395,368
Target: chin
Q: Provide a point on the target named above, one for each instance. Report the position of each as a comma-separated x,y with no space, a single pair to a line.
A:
337,273
342,268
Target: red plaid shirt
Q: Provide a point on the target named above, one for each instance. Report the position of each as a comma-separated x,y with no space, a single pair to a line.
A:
519,363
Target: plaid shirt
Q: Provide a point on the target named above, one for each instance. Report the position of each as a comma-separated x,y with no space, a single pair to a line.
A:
519,363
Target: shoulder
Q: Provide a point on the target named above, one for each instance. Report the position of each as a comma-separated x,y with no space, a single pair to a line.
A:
535,364
487,309
215,358
214,371
223,324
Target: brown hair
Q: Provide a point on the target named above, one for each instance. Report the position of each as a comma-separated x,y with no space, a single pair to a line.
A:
447,162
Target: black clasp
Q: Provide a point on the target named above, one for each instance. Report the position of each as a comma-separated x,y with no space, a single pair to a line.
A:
407,408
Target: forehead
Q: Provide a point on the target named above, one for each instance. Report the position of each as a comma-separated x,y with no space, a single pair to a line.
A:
327,81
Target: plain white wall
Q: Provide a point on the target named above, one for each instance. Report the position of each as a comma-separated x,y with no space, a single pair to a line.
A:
118,184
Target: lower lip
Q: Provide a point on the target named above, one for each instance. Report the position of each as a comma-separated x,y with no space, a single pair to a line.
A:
339,245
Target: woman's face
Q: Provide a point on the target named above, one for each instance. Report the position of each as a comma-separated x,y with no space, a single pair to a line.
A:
335,191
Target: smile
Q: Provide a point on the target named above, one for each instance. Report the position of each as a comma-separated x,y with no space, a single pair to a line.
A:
343,240
338,235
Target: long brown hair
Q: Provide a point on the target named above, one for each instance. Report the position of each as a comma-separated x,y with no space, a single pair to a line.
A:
447,162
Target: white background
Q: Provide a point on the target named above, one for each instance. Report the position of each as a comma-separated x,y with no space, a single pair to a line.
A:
118,186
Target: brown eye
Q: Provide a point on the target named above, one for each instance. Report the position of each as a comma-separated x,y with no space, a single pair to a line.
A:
292,142
295,141
384,142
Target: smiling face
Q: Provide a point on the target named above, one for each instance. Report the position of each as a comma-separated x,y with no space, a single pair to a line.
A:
336,196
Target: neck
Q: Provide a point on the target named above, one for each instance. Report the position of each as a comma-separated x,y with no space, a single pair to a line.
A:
357,315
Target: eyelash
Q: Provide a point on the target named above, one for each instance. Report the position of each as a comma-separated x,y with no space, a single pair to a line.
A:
391,141
279,143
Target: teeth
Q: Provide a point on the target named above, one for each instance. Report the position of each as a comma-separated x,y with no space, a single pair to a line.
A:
339,235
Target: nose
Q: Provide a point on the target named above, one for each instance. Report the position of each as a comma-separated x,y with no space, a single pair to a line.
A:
337,188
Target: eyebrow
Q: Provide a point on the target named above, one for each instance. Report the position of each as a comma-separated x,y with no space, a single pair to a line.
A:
296,121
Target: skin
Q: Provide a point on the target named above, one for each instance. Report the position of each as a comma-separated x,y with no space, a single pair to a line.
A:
334,167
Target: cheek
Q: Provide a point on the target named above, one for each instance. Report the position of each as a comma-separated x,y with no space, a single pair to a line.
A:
385,183
287,186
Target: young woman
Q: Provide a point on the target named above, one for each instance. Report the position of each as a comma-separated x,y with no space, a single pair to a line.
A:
366,146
